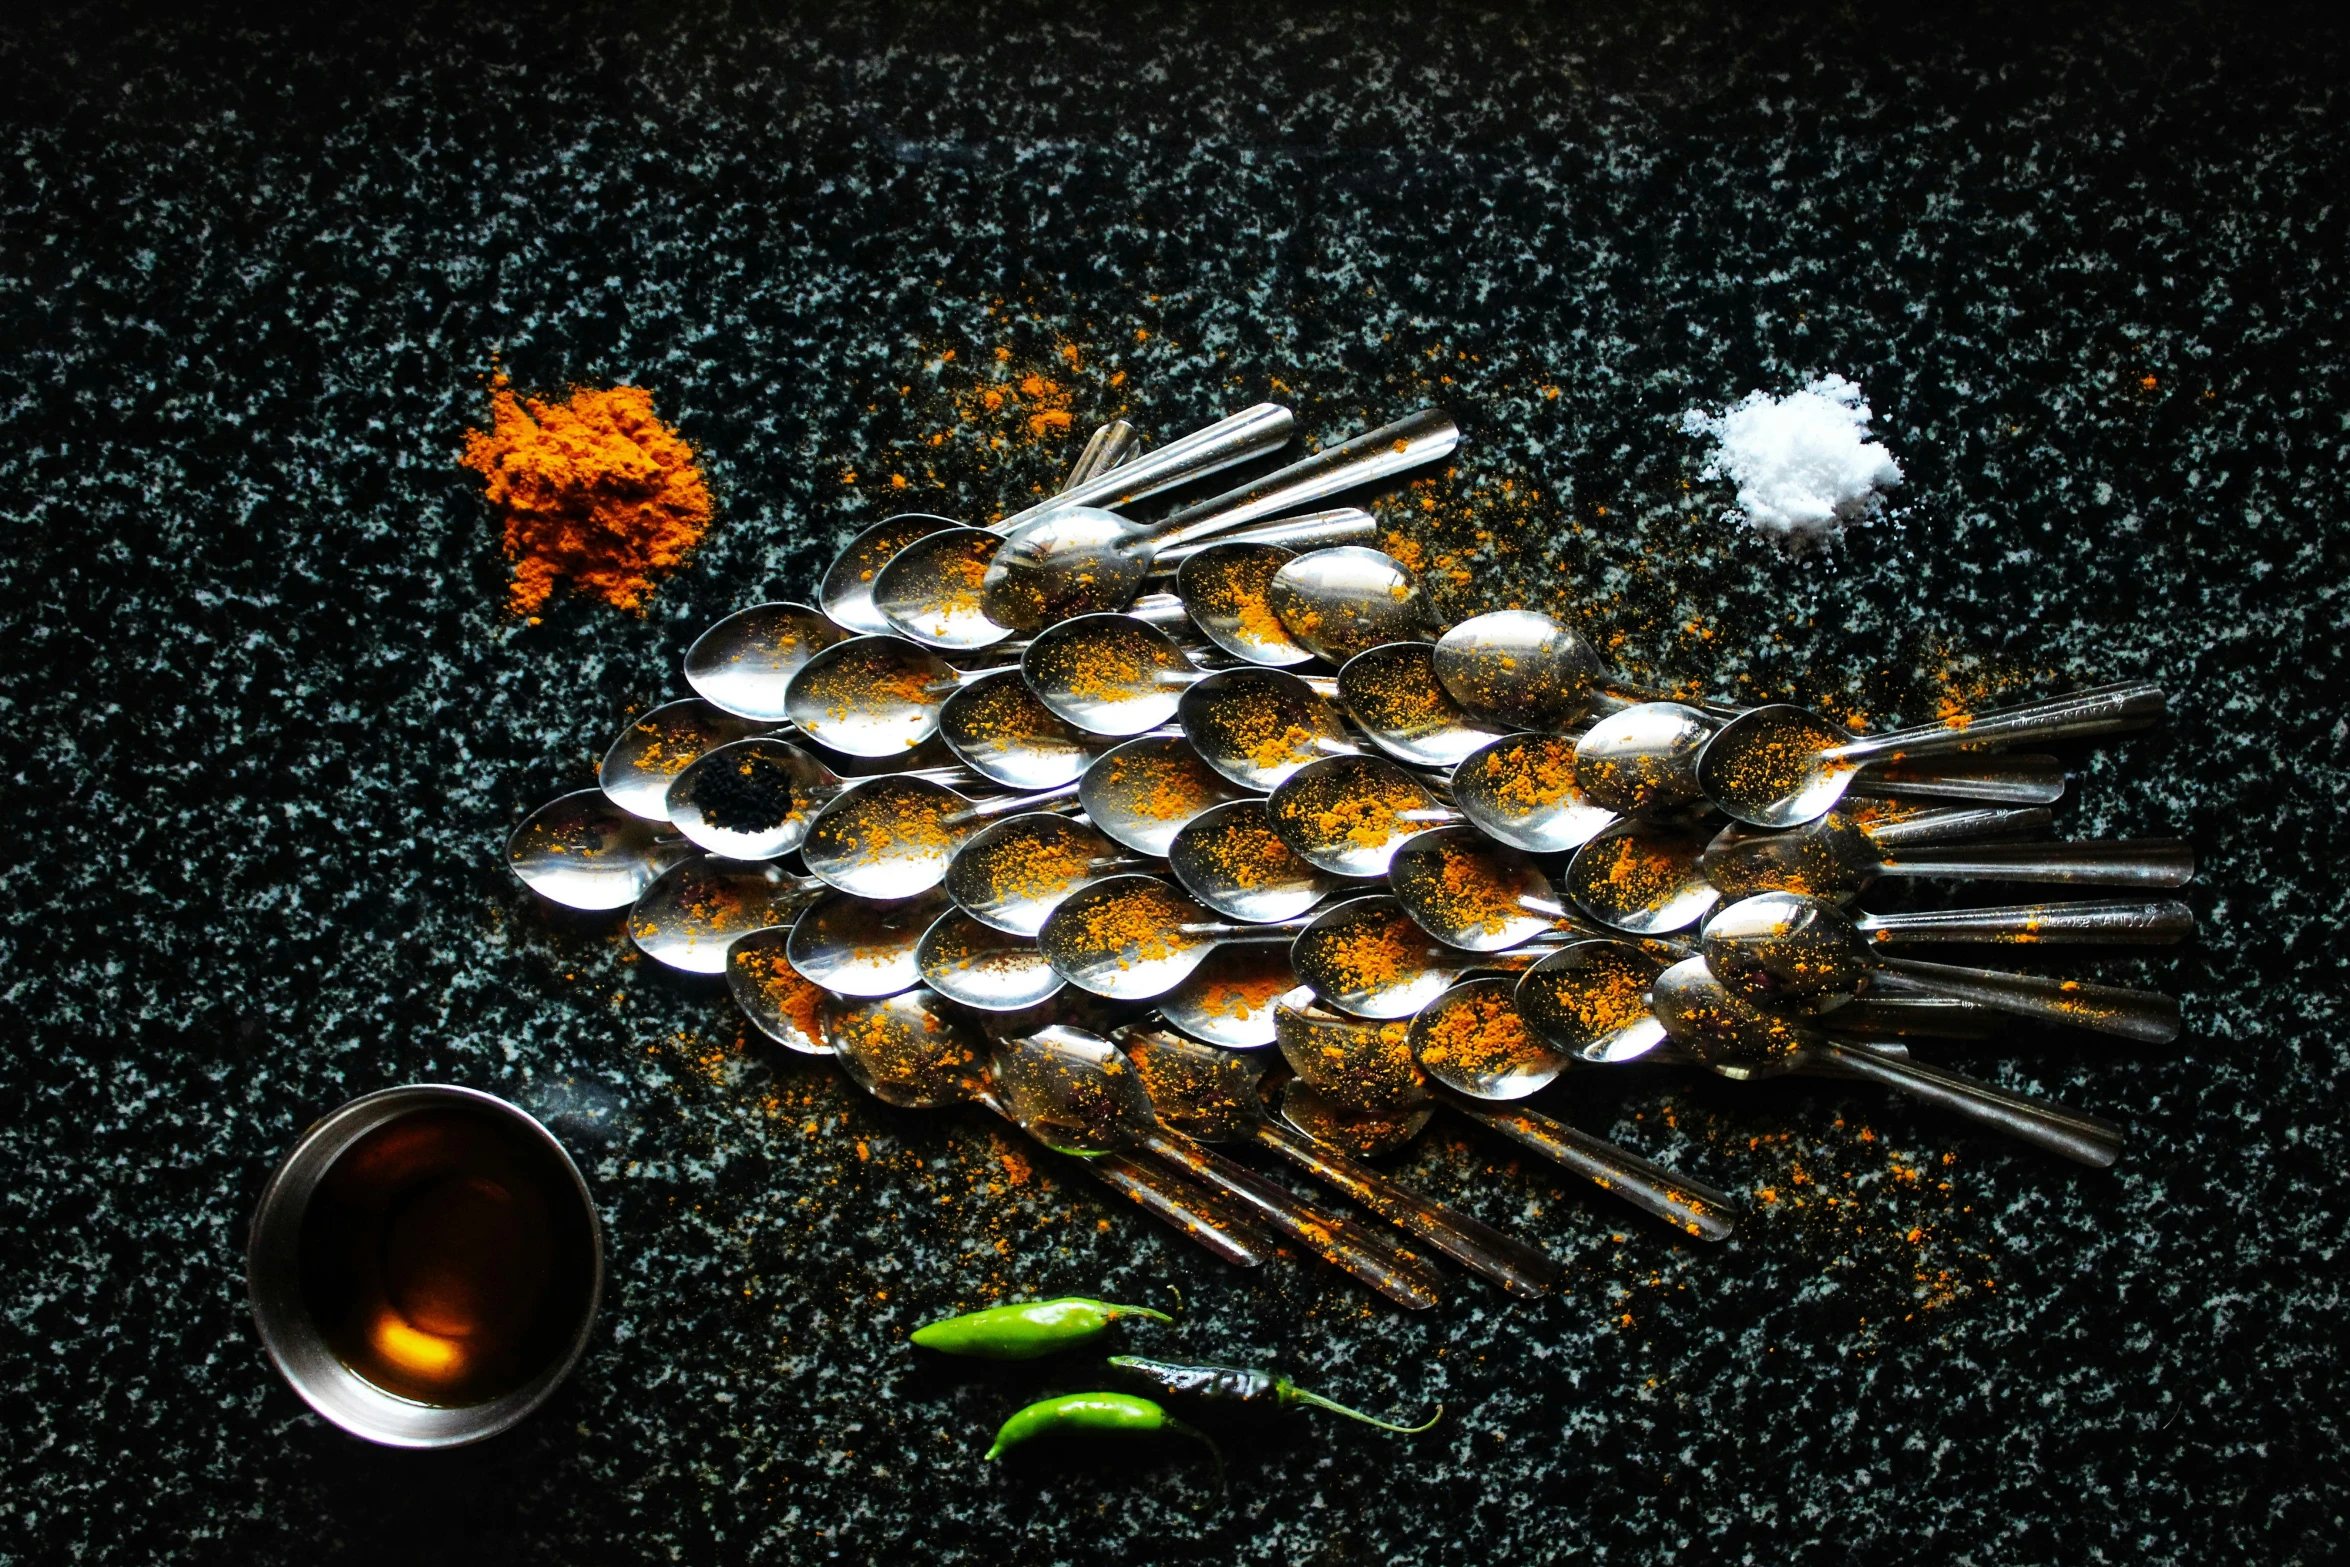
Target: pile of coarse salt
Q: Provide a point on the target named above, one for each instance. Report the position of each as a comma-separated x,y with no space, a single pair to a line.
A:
1804,465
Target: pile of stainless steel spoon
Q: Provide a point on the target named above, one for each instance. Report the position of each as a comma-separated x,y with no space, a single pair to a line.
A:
1072,815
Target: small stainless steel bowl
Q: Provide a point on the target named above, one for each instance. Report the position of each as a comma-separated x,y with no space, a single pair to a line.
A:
273,1277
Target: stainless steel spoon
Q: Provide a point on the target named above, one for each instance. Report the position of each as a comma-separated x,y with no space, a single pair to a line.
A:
1015,872
1146,791
1257,726
895,836
1079,561
1349,814
1228,1000
1366,956
1391,691
847,590
1642,877
1133,938
690,913
1230,858
1213,1096
1734,1037
754,799
1074,1091
1782,949
984,968
1838,855
744,663
997,728
1339,602
1224,587
1366,1134
1471,893
1781,766
912,1053
781,1002
584,852
1367,1067
1644,757
1521,790
863,946
1109,674
652,751
874,695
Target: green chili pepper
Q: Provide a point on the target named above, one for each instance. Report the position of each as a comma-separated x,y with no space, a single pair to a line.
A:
1248,1389
1097,1412
1025,1332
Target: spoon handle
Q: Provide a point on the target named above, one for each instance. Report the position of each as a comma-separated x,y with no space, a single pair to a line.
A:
2105,710
1517,1267
1315,530
1995,780
1198,1212
2143,1015
1377,454
1955,826
2119,923
2043,1123
1682,1203
1249,433
1110,445
1185,1207
1400,1276
2143,862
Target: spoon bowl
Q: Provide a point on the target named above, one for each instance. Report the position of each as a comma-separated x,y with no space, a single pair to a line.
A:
929,591
1257,726
652,751
1134,938
745,662
1108,674
909,1050
1472,1040
896,835
1224,587
984,968
1338,602
1520,669
1472,894
779,1002
1230,858
749,800
691,913
872,695
847,590
863,946
1642,877
1364,1134
1228,1000
1349,814
1521,790
584,852
1361,1068
1589,999
1014,873
1391,691
1145,792
996,727
1643,758
1366,956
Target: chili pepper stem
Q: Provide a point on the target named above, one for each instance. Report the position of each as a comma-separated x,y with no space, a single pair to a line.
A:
1296,1395
1209,1442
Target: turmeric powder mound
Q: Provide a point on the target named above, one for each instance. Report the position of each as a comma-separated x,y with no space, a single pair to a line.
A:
1479,1035
1373,957
782,987
596,489
1535,775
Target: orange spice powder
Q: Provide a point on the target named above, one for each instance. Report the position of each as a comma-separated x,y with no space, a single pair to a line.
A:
595,489
1480,1034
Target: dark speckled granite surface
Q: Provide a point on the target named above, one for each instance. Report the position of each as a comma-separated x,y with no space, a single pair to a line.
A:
267,725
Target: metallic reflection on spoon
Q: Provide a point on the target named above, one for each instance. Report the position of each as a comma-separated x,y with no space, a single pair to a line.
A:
863,946
777,999
690,913
584,852
1392,692
1339,602
985,968
745,662
652,751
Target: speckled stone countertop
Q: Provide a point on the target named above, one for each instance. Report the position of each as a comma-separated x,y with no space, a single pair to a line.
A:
268,725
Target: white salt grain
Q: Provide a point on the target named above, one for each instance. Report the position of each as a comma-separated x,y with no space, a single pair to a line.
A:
1804,465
